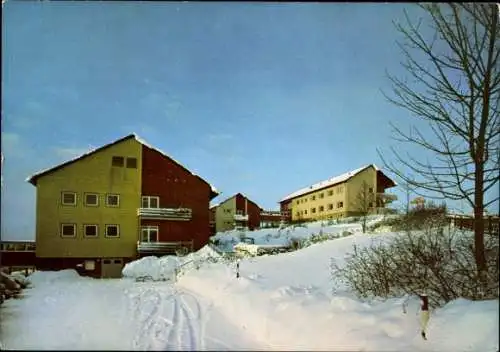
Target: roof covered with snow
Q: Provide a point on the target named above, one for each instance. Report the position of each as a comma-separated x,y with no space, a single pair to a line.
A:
33,178
235,195
327,183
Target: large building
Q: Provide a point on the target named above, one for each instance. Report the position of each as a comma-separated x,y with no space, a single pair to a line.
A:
118,202
338,196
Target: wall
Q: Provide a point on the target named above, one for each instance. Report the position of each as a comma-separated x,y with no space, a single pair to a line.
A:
252,209
304,204
224,215
91,174
176,187
354,186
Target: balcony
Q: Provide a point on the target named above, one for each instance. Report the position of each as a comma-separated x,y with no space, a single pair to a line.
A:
17,246
271,213
179,214
164,247
387,197
240,217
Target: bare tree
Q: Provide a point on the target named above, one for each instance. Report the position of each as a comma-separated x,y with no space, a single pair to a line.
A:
364,202
454,87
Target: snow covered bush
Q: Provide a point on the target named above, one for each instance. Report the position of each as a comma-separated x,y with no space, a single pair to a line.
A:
295,243
436,261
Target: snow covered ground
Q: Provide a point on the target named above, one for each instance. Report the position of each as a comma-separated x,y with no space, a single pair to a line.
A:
287,301
227,240
279,302
66,312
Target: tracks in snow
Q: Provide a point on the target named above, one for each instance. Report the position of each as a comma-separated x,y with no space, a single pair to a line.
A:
168,319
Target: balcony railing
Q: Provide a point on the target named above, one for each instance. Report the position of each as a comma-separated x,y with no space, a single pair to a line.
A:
14,246
241,217
164,247
180,214
387,197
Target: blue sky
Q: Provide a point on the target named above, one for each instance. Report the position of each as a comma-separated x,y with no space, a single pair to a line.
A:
258,98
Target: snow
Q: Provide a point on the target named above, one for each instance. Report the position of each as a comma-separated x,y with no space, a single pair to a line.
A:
164,268
283,236
332,181
66,312
279,302
288,301
156,268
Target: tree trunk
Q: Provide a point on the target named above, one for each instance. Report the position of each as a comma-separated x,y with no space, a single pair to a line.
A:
479,220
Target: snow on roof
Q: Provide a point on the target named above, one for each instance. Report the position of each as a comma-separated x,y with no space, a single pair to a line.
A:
41,172
330,182
143,142
234,195
92,150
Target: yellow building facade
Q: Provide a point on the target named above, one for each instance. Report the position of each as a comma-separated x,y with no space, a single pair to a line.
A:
338,197
88,209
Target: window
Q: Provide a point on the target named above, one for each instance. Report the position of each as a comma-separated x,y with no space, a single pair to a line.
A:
340,204
89,265
298,214
313,210
112,200
340,190
150,202
305,211
305,200
132,163
321,195
321,208
330,192
370,205
68,198
313,198
149,234
90,230
91,199
370,190
117,161
330,206
112,231
68,230
298,201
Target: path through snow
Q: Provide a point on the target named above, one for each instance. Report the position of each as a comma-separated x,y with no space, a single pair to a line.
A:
88,314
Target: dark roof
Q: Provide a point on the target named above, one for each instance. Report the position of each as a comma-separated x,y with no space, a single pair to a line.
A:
33,178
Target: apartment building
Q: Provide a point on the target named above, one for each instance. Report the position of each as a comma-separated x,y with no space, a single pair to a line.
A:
237,212
337,197
116,203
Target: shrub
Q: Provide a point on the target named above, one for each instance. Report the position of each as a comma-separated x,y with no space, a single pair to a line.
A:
295,243
437,262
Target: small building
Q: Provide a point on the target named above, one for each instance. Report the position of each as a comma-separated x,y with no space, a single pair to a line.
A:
237,212
337,197
18,255
116,203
